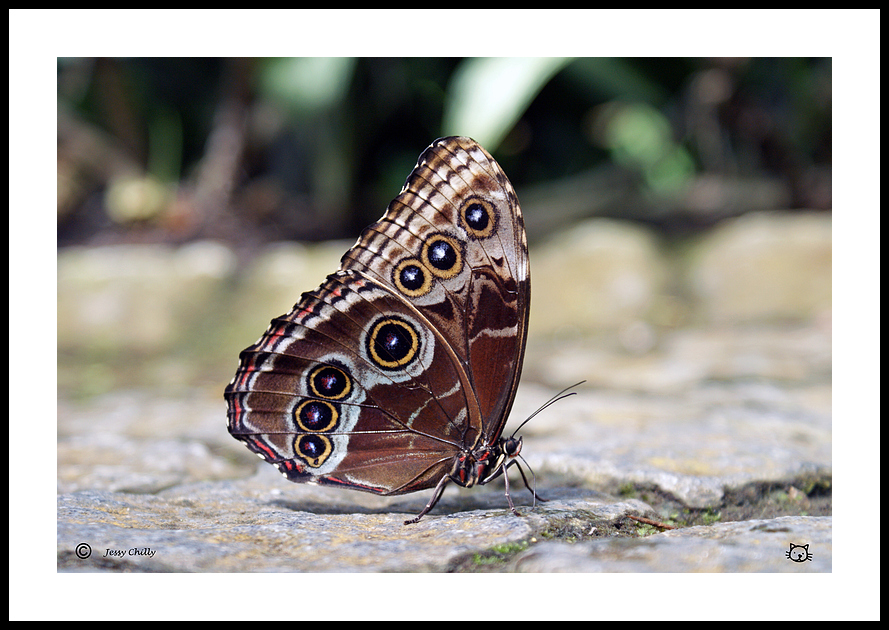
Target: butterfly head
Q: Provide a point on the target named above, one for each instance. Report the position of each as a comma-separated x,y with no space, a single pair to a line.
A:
511,446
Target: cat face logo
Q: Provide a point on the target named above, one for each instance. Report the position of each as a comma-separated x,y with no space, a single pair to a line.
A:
798,553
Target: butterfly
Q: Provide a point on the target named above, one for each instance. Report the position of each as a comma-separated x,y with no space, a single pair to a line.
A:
398,373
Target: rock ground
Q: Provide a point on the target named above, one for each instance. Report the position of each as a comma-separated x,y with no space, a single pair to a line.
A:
707,406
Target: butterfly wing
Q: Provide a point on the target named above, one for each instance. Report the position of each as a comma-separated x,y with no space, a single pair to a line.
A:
458,197
308,398
408,355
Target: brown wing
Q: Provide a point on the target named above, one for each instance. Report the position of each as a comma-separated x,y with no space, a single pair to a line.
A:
410,353
458,196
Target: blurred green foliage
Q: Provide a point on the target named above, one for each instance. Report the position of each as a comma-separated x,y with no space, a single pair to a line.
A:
251,150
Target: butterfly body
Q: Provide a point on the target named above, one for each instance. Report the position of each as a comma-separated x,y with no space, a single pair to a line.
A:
398,373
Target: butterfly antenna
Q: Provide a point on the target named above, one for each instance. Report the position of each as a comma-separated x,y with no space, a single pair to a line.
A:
549,402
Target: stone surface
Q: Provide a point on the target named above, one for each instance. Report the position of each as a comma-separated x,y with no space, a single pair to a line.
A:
742,547
254,526
749,268
690,405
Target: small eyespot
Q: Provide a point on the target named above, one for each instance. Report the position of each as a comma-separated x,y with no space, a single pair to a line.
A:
316,416
479,217
442,255
411,278
330,382
313,449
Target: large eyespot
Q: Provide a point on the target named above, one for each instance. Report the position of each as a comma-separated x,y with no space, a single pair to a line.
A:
478,217
392,343
411,278
316,416
442,255
313,449
330,382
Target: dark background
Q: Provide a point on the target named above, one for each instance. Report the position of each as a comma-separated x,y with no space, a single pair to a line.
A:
252,150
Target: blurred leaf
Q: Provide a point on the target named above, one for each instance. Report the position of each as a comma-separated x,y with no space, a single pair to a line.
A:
488,95
308,84
640,137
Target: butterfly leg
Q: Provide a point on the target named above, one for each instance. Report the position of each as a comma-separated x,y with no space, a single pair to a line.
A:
506,483
439,489
533,492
